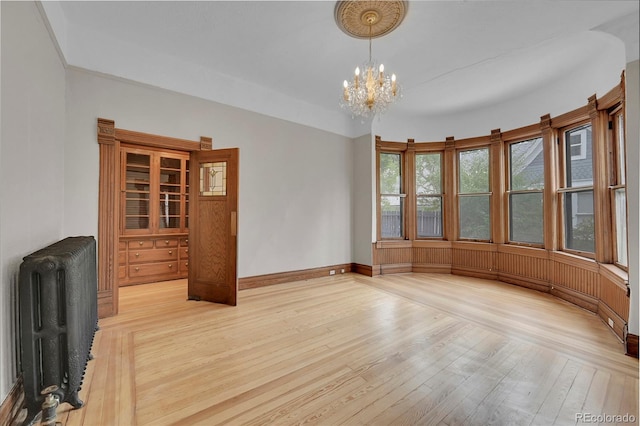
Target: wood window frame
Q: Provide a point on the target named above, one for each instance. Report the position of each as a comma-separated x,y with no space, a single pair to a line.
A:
421,149
563,158
400,148
495,224
514,137
617,149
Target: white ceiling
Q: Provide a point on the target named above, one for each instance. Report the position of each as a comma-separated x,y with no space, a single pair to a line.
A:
288,59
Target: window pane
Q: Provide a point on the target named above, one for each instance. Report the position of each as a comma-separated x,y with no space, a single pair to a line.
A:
474,170
527,165
474,217
390,173
621,226
428,176
579,164
391,216
525,219
429,217
578,221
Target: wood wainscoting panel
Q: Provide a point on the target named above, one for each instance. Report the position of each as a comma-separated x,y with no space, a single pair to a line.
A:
431,256
614,301
393,257
474,259
575,279
524,266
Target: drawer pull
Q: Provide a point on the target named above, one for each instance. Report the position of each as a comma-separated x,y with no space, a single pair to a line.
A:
186,263
170,266
170,251
137,254
166,241
137,269
186,250
141,242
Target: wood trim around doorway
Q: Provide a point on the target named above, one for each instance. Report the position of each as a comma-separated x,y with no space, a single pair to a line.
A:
109,138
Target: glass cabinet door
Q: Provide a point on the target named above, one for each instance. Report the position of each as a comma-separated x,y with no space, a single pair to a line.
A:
137,190
170,193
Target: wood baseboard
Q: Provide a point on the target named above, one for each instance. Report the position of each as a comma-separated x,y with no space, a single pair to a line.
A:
396,268
285,277
632,345
473,272
11,412
583,300
431,268
530,283
361,269
606,313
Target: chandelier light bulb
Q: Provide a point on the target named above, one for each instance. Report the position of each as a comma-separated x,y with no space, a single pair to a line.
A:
371,96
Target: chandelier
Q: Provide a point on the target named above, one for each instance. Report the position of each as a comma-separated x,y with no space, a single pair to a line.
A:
371,90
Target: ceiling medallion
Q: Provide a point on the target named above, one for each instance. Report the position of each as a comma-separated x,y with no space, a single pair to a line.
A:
374,91
369,19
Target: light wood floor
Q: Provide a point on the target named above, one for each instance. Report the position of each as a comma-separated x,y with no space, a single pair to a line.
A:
391,350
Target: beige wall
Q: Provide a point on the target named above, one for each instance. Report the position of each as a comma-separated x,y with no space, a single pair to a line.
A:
295,205
633,180
32,162
364,208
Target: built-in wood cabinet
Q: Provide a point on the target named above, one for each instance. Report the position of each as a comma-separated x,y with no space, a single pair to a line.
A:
154,221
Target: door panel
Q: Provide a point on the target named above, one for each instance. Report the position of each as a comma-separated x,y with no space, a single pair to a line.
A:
213,206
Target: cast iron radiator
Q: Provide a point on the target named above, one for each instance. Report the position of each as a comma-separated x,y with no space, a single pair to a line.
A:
58,308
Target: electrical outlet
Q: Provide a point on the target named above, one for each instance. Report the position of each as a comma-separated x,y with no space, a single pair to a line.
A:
332,272
610,322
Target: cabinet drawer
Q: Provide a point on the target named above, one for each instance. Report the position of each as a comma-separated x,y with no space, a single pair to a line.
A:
184,266
122,272
166,242
140,244
142,270
155,255
122,257
184,253
184,242
122,245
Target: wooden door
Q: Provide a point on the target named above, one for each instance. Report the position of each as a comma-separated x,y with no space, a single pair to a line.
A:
213,207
